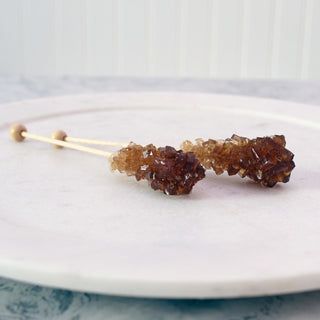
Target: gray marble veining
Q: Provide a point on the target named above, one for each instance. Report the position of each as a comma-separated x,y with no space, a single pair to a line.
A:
26,302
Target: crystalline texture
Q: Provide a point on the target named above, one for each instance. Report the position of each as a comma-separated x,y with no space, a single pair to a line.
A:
174,172
264,160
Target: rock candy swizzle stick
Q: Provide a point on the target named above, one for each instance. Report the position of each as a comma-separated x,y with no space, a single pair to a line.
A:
171,171
264,160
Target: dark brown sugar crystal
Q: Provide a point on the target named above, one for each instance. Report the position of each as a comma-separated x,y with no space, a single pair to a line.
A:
264,160
172,171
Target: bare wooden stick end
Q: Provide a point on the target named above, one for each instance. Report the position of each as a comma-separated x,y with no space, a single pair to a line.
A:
16,132
58,135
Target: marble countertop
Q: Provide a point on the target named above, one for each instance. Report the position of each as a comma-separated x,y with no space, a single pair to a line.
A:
23,301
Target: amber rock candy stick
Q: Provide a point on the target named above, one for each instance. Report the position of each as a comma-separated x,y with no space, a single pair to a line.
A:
171,171
174,172
264,160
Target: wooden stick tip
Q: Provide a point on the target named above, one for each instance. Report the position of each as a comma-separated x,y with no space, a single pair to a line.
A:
16,132
58,135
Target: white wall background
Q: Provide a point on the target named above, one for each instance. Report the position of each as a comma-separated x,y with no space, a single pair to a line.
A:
168,38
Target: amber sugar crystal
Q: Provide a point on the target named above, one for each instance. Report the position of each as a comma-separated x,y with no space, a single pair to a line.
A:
172,171
264,160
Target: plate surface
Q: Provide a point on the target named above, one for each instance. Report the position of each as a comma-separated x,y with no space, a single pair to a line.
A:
68,222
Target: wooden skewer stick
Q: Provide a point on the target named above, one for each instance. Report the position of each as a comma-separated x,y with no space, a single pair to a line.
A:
18,132
96,142
61,135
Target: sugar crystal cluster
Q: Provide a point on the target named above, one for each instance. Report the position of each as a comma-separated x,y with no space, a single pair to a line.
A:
264,160
172,171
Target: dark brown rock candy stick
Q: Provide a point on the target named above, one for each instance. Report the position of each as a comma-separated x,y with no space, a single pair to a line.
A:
171,171
264,160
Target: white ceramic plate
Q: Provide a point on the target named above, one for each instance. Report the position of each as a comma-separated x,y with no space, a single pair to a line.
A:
68,222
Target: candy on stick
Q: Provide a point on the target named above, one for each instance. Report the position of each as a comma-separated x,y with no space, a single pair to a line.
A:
264,160
171,171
